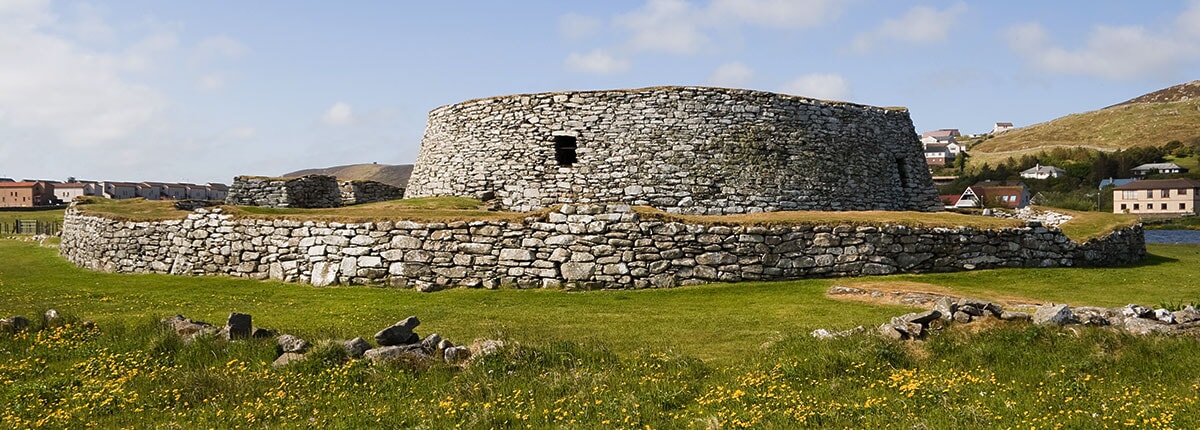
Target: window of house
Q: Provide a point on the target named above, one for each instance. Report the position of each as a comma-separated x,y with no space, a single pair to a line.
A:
1166,193
1137,206
1123,206
1149,194
1183,206
1128,195
1182,191
1164,206
564,150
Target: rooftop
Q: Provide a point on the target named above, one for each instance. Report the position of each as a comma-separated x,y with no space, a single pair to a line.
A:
1155,184
1158,166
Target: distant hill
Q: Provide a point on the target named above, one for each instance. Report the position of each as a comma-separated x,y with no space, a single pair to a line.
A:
389,174
1149,120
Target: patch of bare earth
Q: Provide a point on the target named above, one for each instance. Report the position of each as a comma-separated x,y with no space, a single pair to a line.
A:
905,293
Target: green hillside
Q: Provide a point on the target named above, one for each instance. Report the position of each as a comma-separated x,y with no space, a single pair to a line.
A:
1149,120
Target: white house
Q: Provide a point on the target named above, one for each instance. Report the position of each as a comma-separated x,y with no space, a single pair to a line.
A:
119,190
67,191
217,191
954,148
149,190
1001,127
937,155
1043,172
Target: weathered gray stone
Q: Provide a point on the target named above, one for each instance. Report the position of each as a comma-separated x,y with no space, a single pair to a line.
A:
922,318
399,333
356,347
577,271
1144,326
1137,311
516,254
289,343
1186,315
1053,314
324,273
456,354
430,342
396,352
287,358
1015,316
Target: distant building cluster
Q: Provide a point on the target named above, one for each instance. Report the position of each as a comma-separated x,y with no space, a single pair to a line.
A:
30,193
942,146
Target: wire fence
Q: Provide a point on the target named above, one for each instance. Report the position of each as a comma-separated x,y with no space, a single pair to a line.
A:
30,226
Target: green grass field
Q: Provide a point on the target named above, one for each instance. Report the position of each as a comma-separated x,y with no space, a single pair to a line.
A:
726,355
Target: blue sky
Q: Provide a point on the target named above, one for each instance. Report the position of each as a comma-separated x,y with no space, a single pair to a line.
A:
204,91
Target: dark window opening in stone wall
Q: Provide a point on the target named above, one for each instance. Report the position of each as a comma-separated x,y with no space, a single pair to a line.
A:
564,150
900,168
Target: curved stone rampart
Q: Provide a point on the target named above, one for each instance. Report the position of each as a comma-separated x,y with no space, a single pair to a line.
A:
600,246
692,150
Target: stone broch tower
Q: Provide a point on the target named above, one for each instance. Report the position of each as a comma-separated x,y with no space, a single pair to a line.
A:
691,150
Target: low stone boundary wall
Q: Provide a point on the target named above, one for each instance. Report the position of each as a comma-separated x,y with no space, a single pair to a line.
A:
599,246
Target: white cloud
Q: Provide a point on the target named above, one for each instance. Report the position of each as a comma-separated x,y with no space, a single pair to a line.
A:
920,25
826,86
598,62
733,74
25,15
574,26
683,28
1124,52
240,133
678,27
65,94
212,81
216,47
338,115
672,26
1189,21
777,13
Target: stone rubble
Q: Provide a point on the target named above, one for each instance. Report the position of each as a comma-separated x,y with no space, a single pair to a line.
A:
1042,217
1132,318
397,342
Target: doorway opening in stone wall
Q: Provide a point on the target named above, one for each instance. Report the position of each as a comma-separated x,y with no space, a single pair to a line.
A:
901,168
564,150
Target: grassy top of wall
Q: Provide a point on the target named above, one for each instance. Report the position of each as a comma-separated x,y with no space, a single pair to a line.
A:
425,209
1084,225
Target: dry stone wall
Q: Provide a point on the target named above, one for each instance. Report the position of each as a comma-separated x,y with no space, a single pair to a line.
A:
587,246
359,192
692,150
312,191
